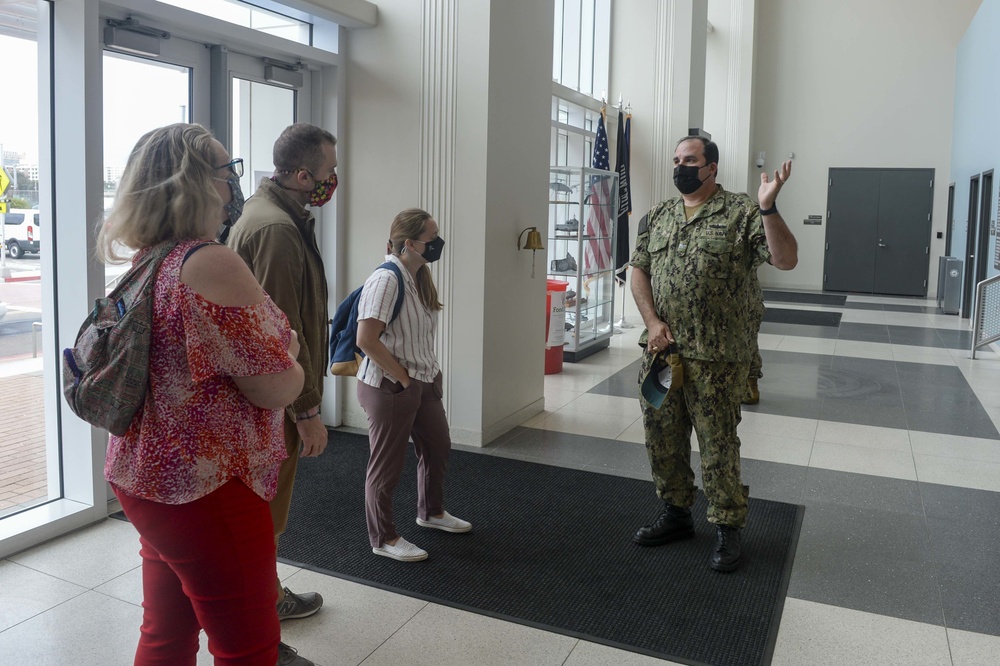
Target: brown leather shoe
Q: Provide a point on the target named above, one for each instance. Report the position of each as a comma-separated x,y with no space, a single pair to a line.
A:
753,393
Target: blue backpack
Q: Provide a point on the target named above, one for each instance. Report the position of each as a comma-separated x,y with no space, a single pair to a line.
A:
345,355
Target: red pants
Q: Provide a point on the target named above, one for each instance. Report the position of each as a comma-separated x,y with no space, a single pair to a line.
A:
394,415
208,564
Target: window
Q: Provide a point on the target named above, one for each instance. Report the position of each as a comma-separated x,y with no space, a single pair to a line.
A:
580,67
251,17
582,45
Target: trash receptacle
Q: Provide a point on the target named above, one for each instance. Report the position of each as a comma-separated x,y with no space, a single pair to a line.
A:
949,297
555,325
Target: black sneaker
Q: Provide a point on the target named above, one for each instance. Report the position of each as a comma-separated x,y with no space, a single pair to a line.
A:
289,656
672,524
294,606
727,549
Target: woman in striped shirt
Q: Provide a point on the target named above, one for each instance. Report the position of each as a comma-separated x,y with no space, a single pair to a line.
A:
400,386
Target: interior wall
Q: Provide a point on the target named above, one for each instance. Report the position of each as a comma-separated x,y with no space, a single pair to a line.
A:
633,42
496,58
976,143
518,125
854,83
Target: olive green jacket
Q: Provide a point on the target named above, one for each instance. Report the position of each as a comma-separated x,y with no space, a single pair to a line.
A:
276,237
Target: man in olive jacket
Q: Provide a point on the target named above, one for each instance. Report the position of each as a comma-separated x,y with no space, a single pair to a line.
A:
276,236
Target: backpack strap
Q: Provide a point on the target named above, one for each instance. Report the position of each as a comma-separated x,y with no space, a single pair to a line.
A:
399,292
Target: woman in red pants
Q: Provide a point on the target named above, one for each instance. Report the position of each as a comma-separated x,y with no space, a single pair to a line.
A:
199,463
400,386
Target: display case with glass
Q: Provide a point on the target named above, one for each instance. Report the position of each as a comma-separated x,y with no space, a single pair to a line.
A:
581,252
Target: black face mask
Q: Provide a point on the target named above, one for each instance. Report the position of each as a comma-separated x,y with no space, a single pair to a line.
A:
432,250
686,178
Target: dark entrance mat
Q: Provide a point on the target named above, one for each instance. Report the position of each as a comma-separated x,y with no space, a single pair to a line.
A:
802,297
806,317
551,548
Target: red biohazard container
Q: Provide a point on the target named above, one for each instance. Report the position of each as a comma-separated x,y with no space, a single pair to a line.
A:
555,325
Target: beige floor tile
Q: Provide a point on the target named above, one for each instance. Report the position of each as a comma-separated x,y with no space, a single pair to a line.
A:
593,654
91,629
127,587
773,424
557,398
27,593
872,437
861,460
769,341
814,633
775,448
953,446
915,354
634,433
956,472
595,403
440,636
354,621
807,345
907,319
862,349
593,425
862,316
968,649
88,557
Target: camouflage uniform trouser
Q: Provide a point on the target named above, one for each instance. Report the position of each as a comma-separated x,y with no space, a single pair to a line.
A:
755,361
709,401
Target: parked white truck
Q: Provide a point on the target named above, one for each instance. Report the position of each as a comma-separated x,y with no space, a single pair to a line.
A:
21,232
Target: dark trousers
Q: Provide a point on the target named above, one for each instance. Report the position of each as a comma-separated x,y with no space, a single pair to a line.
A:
394,416
206,564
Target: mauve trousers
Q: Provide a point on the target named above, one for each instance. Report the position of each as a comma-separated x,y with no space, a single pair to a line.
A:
206,564
394,416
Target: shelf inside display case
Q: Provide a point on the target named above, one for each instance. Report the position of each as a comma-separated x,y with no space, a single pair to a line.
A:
581,227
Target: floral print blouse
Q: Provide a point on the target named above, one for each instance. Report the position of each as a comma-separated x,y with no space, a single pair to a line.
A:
196,430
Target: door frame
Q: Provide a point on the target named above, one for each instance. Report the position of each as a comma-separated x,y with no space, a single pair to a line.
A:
950,224
983,229
970,255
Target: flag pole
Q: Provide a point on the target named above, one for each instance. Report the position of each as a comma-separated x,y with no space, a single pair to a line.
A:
622,324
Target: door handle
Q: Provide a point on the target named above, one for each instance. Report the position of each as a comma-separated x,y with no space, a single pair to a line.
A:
881,244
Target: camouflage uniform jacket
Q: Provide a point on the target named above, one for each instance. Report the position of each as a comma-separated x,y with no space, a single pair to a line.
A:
700,270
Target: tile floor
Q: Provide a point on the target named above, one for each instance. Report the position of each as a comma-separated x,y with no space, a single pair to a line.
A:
883,428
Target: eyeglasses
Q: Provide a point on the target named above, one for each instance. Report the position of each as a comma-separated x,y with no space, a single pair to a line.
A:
236,167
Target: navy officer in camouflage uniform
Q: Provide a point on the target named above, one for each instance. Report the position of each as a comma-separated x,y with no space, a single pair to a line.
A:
693,261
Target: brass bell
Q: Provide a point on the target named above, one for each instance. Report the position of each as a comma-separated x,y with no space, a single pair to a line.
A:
534,241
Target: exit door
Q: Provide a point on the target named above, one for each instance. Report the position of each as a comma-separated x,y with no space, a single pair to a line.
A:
878,231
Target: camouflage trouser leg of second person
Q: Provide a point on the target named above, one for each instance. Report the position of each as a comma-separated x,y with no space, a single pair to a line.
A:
710,403
755,361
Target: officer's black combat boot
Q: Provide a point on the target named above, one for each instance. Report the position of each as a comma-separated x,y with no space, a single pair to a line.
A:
672,524
727,549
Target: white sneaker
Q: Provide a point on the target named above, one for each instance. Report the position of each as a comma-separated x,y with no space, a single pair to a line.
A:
446,522
403,550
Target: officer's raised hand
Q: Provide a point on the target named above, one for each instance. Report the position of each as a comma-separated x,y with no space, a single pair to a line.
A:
768,192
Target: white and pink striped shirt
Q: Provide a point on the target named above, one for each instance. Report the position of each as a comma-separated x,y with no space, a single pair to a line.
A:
410,338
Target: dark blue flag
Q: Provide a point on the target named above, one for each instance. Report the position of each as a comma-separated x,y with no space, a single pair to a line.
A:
624,196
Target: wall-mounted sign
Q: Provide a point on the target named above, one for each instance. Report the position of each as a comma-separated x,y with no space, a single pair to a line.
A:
813,219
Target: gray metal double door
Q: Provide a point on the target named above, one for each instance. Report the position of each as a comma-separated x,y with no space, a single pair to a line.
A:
878,231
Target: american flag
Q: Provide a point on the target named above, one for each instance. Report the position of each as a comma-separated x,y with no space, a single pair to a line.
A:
597,248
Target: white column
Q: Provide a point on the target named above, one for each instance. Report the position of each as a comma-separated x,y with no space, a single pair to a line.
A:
678,83
737,159
436,173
